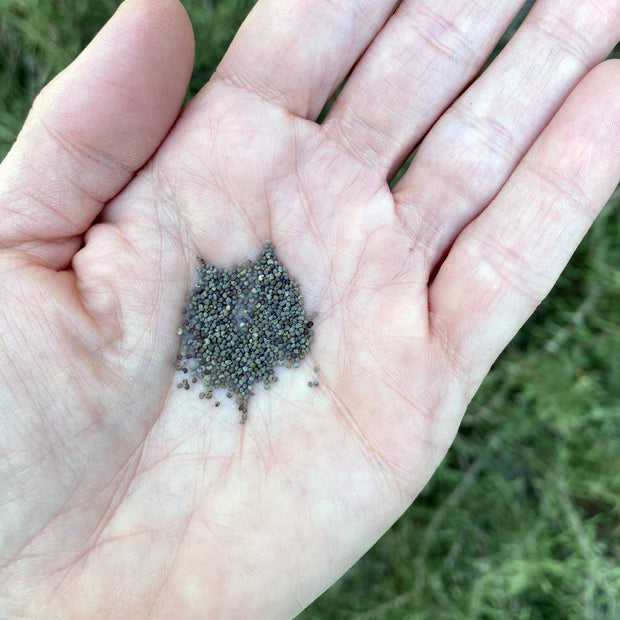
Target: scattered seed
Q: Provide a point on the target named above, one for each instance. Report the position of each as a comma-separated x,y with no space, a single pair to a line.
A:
240,323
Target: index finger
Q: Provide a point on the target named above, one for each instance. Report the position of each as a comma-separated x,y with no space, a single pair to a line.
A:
297,53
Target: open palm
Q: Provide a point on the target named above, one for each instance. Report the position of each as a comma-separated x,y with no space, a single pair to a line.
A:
120,495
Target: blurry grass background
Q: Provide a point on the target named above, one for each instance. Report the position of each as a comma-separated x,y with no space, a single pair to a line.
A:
522,520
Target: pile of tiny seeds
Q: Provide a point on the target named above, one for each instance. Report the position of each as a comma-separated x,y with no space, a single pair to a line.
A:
240,324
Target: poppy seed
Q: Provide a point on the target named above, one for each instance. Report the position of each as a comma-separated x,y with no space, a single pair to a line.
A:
240,323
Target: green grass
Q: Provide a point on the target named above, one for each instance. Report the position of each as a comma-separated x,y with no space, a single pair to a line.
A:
522,520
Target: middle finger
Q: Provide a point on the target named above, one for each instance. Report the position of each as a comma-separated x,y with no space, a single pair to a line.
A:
416,66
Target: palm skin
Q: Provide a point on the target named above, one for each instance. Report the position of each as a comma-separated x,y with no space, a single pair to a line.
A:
125,497
325,456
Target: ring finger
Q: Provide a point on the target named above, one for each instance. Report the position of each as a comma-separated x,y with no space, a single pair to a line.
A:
472,150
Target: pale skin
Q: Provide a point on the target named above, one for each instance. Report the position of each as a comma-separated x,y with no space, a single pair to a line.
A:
123,497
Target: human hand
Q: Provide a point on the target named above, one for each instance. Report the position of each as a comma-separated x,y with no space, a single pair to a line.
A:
123,497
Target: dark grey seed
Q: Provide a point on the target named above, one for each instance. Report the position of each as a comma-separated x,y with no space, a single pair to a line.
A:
309,383
217,403
241,323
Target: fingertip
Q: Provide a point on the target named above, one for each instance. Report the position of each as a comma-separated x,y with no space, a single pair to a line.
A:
591,113
124,91
604,77
168,15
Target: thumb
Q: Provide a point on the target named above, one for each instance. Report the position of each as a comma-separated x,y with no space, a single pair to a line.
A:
93,126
